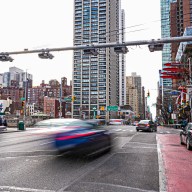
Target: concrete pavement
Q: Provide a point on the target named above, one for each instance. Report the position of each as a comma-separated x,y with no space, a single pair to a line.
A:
10,130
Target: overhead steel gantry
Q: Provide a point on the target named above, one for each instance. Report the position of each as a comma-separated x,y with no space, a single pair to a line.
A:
154,45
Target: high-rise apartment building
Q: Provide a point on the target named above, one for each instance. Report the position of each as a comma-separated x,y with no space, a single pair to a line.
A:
16,78
134,93
98,81
165,33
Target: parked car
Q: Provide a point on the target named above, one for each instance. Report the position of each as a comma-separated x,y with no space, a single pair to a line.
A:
76,136
186,136
146,125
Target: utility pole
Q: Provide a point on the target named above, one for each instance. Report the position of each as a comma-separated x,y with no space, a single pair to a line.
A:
60,108
25,104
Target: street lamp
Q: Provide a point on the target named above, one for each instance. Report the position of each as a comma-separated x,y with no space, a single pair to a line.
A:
94,115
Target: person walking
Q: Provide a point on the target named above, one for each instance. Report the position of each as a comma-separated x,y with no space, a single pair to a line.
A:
1,121
5,122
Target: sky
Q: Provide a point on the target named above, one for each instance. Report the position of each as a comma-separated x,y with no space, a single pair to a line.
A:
39,24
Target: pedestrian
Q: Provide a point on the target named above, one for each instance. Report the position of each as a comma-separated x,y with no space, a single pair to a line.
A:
5,122
1,121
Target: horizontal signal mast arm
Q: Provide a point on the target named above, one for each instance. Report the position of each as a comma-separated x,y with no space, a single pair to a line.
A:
107,45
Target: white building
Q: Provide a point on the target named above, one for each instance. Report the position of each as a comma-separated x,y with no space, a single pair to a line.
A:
98,81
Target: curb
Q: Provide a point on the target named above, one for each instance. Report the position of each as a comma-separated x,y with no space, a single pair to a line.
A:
11,131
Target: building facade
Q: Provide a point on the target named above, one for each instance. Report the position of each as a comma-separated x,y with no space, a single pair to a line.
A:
16,78
97,80
134,93
165,33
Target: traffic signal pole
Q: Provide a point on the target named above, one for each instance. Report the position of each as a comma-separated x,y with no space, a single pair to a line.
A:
25,104
105,45
60,108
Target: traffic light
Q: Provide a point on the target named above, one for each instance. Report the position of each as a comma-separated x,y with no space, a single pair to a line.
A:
148,94
23,104
73,98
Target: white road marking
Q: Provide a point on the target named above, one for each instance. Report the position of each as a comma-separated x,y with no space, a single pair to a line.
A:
46,143
24,189
143,143
118,129
162,177
117,186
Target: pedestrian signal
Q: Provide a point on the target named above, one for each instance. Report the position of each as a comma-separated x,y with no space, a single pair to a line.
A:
23,103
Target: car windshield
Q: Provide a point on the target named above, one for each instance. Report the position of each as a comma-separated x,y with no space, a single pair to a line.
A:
143,122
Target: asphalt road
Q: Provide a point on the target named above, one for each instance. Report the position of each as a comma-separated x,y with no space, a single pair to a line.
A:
29,163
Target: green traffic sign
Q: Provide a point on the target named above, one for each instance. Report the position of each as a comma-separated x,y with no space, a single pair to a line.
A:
22,98
112,108
67,99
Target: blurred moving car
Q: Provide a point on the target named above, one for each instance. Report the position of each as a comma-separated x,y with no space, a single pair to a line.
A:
115,121
186,136
135,123
77,136
146,125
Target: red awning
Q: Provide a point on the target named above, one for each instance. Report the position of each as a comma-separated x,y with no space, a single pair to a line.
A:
169,73
170,77
174,69
172,64
167,64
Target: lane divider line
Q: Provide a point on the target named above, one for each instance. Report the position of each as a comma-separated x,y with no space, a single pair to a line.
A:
162,177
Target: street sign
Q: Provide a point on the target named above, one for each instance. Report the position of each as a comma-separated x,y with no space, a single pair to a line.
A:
67,99
112,108
22,98
170,108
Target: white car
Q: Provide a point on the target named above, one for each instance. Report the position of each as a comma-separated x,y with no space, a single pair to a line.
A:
115,121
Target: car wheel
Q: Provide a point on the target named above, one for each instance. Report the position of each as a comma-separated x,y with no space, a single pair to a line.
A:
188,144
181,140
137,130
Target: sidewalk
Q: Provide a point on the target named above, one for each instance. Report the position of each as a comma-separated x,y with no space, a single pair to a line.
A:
177,163
11,130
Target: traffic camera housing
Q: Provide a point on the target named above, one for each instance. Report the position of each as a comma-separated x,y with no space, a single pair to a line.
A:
121,49
5,57
45,55
90,51
155,47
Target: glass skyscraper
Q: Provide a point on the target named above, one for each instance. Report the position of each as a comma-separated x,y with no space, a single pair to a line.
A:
165,33
98,81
